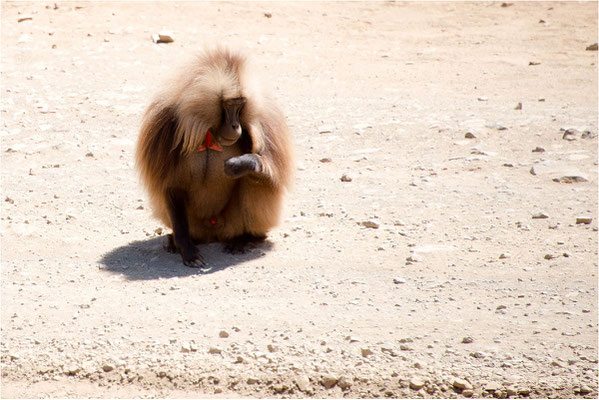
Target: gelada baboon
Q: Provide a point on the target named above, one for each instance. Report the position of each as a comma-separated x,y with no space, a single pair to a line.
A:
215,155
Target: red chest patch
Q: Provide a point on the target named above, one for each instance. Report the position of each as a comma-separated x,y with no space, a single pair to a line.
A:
209,143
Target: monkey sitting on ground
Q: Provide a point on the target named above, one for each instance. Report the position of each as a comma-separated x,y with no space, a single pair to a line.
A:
215,155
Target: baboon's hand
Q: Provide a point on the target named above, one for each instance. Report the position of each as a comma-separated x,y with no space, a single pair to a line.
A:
236,167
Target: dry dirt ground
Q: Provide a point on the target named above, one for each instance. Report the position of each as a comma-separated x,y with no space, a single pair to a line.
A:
444,266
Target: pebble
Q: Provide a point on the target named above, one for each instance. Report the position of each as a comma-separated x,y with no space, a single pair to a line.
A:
470,135
416,383
326,160
584,220
492,386
107,367
366,352
163,37
570,134
413,258
511,391
570,179
467,393
328,381
591,47
398,280
524,391
462,384
303,384
325,129
540,215
272,348
467,339
185,348
72,369
584,389
538,150
344,383
268,15
370,224
252,381
223,334
518,106
214,350
503,256
346,178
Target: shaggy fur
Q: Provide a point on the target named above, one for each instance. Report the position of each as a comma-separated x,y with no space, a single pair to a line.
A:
218,207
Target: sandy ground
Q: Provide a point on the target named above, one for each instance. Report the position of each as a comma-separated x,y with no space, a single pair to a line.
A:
459,260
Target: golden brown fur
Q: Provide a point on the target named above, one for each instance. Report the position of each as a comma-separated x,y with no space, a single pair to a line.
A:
175,124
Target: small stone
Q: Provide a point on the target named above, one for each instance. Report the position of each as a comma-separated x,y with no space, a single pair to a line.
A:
511,391
303,384
326,160
570,179
72,369
570,134
158,231
272,348
483,98
592,47
214,350
107,367
584,389
346,178
469,135
524,391
467,393
413,258
9,200
584,220
492,386
328,381
165,37
549,257
467,339
398,280
416,383
325,129
370,224
532,171
185,348
534,63
279,388
538,150
540,215
252,381
344,383
404,347
268,15
366,352
503,256
223,334
518,106
461,384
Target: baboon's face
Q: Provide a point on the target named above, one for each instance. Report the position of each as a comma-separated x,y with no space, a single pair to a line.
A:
230,129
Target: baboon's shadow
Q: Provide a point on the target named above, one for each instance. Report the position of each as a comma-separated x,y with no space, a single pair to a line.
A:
147,259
